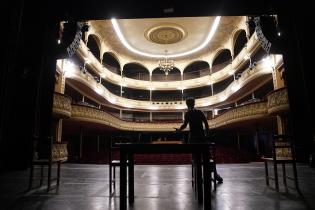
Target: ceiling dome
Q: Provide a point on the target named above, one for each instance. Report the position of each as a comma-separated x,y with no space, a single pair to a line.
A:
166,33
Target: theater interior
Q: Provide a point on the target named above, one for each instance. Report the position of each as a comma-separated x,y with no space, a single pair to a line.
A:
83,85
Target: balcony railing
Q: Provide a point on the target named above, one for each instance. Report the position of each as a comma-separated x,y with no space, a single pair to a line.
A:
278,101
252,46
260,70
242,113
253,111
61,106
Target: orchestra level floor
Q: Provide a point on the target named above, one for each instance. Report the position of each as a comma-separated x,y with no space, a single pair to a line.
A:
158,187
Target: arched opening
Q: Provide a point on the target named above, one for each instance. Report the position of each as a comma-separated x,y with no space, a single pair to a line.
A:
222,85
111,63
93,45
222,59
196,69
240,42
159,75
136,71
200,92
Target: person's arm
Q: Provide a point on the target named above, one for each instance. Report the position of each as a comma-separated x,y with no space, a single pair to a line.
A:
205,121
184,125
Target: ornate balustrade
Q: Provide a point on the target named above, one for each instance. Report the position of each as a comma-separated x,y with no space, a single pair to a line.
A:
89,114
61,106
242,113
247,76
94,115
59,151
278,101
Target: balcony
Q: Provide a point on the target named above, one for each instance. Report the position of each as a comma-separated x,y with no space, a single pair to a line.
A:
61,106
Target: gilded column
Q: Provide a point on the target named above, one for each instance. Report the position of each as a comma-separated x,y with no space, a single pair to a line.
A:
279,82
60,84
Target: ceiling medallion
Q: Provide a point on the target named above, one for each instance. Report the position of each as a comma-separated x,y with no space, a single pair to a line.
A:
165,33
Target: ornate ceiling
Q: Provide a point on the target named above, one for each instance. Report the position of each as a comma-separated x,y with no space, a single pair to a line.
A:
161,35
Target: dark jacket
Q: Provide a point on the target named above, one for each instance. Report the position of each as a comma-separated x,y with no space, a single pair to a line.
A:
195,118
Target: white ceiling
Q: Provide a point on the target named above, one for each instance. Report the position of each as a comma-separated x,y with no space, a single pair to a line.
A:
196,29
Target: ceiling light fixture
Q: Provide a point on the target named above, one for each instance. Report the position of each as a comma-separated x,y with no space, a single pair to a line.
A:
129,47
166,64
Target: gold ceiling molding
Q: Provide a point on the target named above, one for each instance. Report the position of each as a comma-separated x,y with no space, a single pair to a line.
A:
166,33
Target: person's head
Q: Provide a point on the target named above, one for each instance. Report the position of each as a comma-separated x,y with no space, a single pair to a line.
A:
190,102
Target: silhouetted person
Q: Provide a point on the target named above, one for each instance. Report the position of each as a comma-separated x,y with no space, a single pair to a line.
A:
195,118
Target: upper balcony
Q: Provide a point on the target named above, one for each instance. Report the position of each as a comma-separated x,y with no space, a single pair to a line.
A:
250,76
278,102
172,81
61,106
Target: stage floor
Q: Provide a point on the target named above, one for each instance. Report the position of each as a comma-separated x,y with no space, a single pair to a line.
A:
158,187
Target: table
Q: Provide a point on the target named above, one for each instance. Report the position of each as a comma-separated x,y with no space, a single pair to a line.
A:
127,151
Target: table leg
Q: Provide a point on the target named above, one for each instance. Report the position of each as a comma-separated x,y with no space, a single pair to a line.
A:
199,176
123,180
206,181
131,178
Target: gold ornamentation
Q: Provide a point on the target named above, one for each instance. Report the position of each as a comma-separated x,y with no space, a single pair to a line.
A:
278,101
89,114
166,33
59,152
242,113
61,105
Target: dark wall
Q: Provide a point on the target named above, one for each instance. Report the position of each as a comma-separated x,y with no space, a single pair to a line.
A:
27,81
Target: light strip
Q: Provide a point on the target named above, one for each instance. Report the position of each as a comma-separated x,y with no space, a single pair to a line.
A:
129,47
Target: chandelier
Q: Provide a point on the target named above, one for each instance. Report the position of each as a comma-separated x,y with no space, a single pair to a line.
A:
166,64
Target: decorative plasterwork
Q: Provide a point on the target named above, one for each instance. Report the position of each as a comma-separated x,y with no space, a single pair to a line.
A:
239,114
59,152
236,115
247,76
134,29
278,101
88,114
61,106
252,47
166,33
243,113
